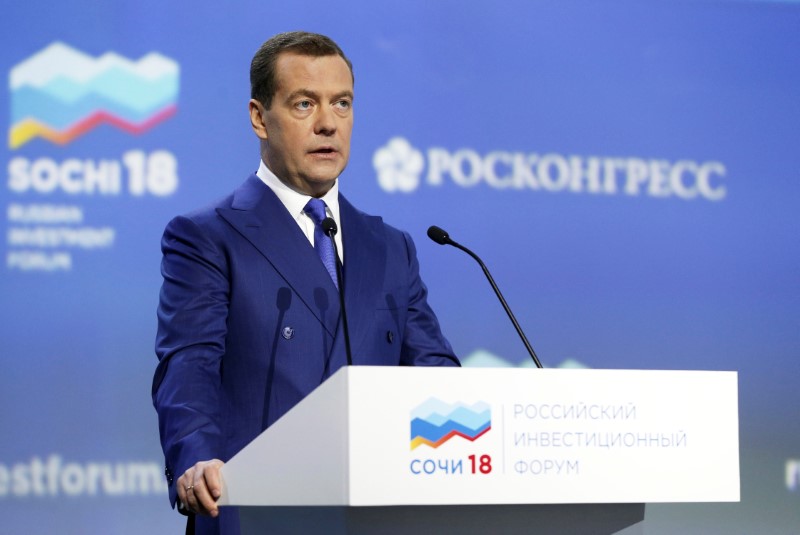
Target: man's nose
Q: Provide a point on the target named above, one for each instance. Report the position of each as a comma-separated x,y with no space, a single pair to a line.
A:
326,121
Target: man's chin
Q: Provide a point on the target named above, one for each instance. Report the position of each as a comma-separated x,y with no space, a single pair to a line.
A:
325,174
320,184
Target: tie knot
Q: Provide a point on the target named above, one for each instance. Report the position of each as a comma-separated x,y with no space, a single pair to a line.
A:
315,208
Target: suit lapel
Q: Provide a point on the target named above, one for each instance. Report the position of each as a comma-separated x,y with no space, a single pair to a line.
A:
260,217
364,268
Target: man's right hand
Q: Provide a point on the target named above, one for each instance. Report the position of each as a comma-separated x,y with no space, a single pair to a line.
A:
200,487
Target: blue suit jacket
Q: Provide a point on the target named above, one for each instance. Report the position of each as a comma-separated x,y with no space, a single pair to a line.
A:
248,321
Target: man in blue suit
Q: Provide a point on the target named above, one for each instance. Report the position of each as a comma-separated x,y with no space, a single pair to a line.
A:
249,317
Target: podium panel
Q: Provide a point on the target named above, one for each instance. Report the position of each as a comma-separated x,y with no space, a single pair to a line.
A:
389,436
386,450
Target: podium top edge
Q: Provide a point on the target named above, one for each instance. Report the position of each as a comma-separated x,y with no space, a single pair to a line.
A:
446,369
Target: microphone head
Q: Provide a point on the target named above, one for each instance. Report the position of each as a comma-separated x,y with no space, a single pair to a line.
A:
438,235
329,226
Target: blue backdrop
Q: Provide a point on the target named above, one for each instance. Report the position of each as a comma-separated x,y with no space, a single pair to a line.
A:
627,169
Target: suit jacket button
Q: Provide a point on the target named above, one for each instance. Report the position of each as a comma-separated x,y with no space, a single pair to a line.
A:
287,333
389,336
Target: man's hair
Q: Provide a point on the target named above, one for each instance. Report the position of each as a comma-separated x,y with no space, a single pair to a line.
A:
263,80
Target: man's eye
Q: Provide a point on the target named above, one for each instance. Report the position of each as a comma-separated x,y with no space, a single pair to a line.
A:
303,105
343,104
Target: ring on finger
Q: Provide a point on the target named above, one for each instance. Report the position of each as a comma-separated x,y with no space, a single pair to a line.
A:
190,487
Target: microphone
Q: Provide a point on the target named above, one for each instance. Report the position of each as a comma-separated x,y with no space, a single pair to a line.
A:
330,229
441,237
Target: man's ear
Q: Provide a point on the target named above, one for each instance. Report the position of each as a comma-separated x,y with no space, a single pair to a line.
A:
257,113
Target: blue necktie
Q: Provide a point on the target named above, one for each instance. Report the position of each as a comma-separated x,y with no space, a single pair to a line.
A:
315,208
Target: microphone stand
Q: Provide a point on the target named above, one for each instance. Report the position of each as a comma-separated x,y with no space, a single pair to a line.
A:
330,229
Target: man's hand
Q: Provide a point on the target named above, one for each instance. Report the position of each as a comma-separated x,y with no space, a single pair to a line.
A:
200,487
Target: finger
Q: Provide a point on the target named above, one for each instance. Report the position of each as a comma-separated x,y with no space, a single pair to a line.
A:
206,504
213,479
191,498
181,485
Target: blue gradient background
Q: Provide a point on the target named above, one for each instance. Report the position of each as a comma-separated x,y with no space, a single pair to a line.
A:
610,281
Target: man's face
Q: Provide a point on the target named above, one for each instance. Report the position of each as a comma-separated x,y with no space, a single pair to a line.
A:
306,132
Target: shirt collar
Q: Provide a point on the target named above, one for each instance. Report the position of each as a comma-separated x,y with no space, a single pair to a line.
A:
295,201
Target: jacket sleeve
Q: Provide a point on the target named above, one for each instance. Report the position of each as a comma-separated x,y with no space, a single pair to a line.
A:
190,343
423,342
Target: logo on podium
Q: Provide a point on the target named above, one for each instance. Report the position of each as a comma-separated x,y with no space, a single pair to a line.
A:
435,422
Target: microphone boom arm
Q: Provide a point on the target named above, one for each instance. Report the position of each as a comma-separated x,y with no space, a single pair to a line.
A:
441,237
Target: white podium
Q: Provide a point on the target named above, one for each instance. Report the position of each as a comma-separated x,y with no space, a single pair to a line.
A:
438,450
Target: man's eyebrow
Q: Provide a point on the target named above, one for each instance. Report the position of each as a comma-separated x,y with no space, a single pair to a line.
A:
344,94
314,95
302,93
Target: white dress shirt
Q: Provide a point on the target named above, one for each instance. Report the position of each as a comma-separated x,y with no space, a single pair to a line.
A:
295,202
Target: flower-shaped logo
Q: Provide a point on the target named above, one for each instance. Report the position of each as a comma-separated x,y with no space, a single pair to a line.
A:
399,166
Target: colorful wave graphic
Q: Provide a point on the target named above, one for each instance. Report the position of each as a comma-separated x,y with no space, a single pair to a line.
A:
60,93
434,422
